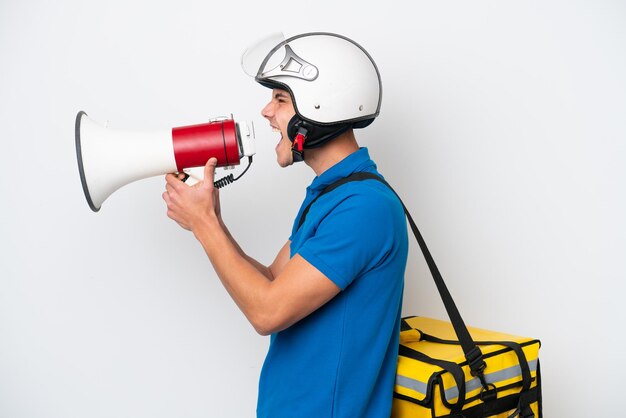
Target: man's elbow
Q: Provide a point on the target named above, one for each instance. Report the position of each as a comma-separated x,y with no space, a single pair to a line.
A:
263,331
268,324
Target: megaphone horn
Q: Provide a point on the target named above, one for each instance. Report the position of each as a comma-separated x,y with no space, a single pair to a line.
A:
110,158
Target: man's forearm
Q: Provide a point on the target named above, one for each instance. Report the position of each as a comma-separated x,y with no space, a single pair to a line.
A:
265,270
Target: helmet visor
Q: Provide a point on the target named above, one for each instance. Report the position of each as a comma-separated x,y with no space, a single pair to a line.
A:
255,56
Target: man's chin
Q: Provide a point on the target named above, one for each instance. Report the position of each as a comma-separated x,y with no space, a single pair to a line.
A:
284,163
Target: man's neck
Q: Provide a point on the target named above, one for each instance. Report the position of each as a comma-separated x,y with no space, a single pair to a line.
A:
322,158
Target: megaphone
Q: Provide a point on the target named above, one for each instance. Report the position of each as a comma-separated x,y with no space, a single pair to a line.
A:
110,158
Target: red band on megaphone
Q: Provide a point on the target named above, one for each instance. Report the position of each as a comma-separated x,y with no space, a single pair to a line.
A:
195,144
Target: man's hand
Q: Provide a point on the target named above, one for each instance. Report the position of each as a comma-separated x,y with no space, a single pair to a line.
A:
191,205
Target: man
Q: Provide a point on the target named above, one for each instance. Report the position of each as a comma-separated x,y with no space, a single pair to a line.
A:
331,300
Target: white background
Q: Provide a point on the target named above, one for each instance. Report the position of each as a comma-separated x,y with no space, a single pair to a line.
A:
503,127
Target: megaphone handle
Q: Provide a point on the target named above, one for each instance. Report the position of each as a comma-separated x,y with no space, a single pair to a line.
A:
192,175
189,179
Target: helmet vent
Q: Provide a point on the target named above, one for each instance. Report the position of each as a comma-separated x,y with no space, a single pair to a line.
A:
292,66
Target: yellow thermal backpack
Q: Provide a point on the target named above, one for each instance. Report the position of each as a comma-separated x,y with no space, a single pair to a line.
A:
434,378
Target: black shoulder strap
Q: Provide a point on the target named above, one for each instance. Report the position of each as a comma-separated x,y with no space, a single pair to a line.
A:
470,349
353,177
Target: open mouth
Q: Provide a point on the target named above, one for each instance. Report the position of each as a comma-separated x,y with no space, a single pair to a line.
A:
278,131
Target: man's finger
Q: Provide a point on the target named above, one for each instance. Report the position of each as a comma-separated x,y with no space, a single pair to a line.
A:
209,170
170,188
172,181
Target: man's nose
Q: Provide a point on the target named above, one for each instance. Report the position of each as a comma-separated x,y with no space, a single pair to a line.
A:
267,111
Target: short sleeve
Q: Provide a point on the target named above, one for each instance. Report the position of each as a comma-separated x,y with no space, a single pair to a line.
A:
355,235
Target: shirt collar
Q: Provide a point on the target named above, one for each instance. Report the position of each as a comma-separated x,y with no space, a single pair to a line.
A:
357,161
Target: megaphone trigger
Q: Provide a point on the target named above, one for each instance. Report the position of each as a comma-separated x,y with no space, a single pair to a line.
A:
183,177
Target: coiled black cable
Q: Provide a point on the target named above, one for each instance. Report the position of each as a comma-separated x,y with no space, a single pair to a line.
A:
225,181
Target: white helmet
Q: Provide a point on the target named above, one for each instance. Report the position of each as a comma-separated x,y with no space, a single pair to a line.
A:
334,83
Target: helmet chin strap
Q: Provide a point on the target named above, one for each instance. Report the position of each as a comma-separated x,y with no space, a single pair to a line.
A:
305,135
297,131
297,146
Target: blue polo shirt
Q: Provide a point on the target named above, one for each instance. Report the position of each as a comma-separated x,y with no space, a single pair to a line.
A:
340,361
